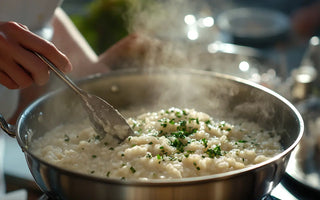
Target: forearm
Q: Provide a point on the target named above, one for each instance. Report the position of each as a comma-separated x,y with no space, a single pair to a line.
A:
70,41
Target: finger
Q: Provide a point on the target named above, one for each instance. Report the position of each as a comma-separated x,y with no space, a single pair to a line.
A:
7,81
23,26
33,42
16,73
48,50
36,68
19,64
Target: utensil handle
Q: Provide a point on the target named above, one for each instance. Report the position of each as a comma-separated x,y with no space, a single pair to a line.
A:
60,74
8,128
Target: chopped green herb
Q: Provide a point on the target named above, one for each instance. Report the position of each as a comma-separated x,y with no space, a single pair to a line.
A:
194,130
190,151
178,114
222,124
205,142
184,112
134,125
108,174
139,131
132,170
97,137
214,152
178,145
179,134
94,156
66,138
163,125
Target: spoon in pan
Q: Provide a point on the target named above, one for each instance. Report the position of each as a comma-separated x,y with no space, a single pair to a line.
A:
106,121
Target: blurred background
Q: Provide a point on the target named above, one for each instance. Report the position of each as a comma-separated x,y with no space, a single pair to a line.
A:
263,41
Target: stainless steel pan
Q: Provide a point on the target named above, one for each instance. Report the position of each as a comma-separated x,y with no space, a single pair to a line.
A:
133,92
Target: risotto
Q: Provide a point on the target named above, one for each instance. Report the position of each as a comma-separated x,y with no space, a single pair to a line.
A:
167,144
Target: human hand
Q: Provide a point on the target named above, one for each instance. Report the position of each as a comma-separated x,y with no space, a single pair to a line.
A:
19,66
139,50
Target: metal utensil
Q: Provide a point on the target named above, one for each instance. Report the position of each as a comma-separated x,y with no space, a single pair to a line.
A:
105,119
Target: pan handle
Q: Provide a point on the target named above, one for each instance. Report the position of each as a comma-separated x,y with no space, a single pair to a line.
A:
8,128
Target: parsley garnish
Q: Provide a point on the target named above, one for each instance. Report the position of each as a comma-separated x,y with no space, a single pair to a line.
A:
178,114
214,152
205,142
132,170
66,138
178,145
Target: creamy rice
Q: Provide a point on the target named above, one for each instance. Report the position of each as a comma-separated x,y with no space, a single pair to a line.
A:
171,143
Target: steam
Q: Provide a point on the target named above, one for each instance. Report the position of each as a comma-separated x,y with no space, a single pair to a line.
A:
169,22
183,34
164,22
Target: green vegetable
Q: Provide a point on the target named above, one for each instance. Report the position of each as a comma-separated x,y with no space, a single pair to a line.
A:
66,138
178,145
108,174
132,170
214,152
205,142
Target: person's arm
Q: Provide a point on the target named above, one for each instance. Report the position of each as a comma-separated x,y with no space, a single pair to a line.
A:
70,41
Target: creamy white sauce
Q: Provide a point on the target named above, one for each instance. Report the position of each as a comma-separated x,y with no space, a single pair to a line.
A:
167,144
